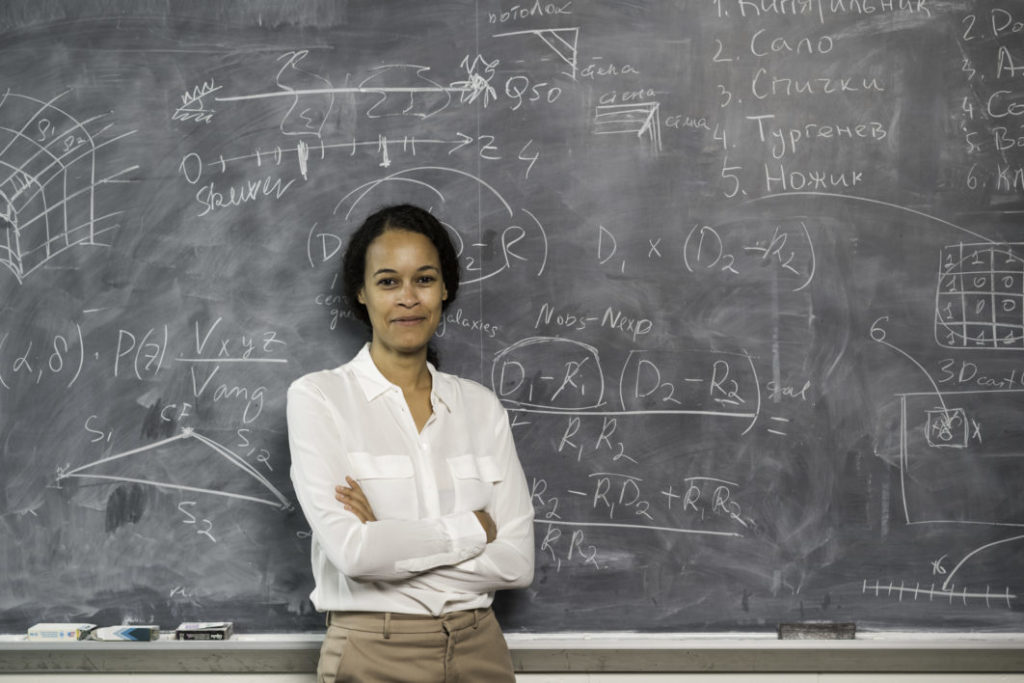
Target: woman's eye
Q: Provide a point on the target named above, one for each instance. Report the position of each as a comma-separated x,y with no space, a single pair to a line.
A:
428,279
385,282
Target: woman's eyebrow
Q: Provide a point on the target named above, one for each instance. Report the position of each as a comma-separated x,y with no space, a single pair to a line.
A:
392,270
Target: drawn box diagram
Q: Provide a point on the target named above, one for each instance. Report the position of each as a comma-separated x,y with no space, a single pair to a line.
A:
979,300
959,460
641,119
947,428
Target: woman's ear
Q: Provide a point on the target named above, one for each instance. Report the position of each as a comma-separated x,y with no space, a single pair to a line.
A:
360,297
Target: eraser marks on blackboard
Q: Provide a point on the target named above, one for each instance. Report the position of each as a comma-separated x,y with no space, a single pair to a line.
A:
817,630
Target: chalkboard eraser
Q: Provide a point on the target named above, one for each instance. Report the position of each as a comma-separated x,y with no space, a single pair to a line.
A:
817,630
135,633
204,630
60,631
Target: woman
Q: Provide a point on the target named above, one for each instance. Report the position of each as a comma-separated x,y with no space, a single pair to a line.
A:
431,514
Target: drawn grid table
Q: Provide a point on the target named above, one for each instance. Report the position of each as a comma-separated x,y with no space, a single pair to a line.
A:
979,302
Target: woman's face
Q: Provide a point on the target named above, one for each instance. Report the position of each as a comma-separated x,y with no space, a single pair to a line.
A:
402,290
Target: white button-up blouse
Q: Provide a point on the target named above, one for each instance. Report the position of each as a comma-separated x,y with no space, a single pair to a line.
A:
427,552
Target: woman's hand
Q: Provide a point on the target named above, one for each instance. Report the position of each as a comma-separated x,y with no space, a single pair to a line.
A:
355,501
490,528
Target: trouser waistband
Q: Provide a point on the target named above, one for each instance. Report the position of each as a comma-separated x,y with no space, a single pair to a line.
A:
387,623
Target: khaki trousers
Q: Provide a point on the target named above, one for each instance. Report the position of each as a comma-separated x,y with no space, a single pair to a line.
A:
381,647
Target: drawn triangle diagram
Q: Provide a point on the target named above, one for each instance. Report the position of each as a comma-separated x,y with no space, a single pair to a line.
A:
565,49
176,463
562,41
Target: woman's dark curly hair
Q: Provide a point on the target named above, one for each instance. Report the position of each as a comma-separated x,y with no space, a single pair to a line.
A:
398,217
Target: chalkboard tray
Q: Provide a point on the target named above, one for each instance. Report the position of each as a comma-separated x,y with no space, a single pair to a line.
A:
610,653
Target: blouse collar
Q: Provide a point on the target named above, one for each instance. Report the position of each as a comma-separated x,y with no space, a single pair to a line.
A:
374,384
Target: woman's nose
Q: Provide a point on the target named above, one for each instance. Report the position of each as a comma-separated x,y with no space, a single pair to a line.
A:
407,295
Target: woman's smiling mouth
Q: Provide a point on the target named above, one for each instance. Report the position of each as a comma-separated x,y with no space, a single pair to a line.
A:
409,320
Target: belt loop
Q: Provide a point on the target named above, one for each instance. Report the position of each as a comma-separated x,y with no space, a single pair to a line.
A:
476,619
327,618
387,625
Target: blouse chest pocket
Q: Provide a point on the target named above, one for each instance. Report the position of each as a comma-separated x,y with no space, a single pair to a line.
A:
388,482
474,478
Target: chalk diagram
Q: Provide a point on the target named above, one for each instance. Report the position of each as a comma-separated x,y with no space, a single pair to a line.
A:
101,470
51,172
305,116
952,471
401,90
394,90
564,42
979,299
419,97
640,119
956,468
516,227
952,474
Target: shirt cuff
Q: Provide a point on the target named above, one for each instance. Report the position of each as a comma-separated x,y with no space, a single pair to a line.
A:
467,535
466,539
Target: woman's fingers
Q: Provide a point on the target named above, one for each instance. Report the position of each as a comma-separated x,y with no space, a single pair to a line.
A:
354,500
487,522
353,504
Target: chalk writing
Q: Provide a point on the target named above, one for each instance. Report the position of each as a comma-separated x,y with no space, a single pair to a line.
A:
742,274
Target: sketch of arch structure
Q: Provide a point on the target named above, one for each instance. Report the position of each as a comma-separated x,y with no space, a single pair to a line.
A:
49,176
97,470
563,41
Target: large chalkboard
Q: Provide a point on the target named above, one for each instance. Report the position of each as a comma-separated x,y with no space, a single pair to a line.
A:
747,274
